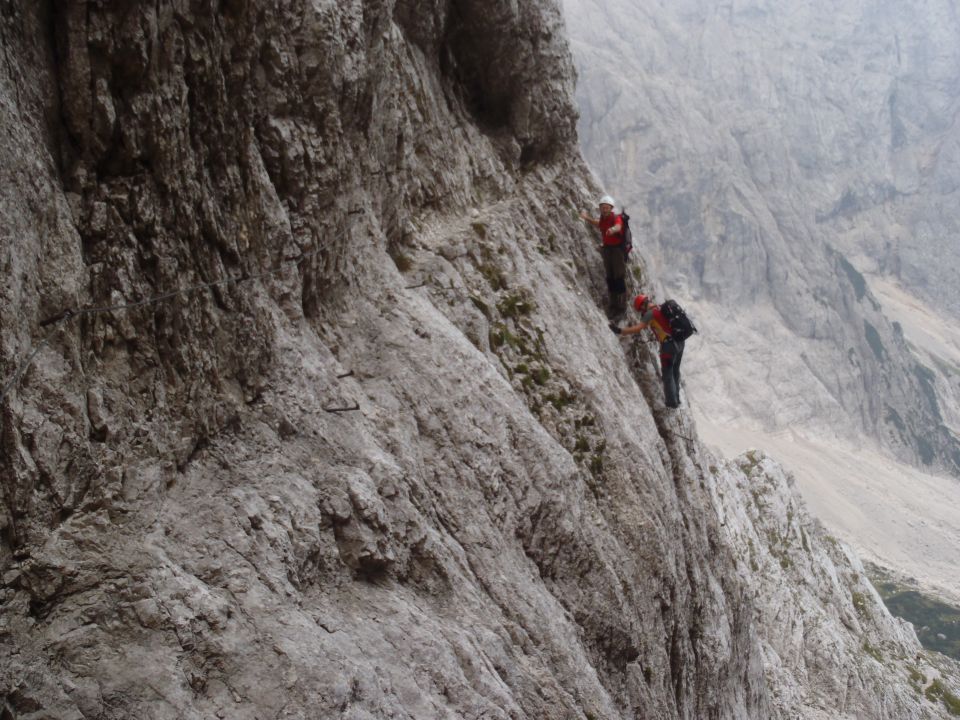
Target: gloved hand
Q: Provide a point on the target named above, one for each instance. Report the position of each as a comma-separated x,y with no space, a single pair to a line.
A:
614,328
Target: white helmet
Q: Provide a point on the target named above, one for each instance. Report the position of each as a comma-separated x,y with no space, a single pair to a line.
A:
606,200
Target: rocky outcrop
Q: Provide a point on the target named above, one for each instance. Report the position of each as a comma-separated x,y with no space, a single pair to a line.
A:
378,455
831,649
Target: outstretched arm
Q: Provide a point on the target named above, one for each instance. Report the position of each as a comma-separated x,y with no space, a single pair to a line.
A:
592,221
630,329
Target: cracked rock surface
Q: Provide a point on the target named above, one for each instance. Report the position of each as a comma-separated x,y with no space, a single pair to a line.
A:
402,470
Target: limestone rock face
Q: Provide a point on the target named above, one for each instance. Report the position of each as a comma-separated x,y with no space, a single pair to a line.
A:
848,662
378,455
771,152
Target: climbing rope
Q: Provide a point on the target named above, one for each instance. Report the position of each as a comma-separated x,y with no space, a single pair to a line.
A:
676,434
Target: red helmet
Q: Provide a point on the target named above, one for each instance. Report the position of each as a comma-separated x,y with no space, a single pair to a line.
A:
638,302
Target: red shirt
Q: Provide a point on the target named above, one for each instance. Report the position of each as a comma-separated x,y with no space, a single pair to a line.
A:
657,322
608,222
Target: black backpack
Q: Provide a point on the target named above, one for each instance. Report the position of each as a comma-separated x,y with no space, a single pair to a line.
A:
627,235
680,326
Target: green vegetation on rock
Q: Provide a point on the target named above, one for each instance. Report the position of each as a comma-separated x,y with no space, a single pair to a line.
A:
937,623
872,651
937,690
859,603
515,305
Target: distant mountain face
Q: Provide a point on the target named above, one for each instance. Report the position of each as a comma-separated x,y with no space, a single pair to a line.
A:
770,152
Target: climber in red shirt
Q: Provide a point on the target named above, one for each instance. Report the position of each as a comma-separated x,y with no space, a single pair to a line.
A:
671,345
614,256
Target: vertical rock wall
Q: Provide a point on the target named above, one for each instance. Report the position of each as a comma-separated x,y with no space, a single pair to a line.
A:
387,461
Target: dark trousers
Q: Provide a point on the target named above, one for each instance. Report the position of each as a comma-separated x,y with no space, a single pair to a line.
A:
671,353
615,269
